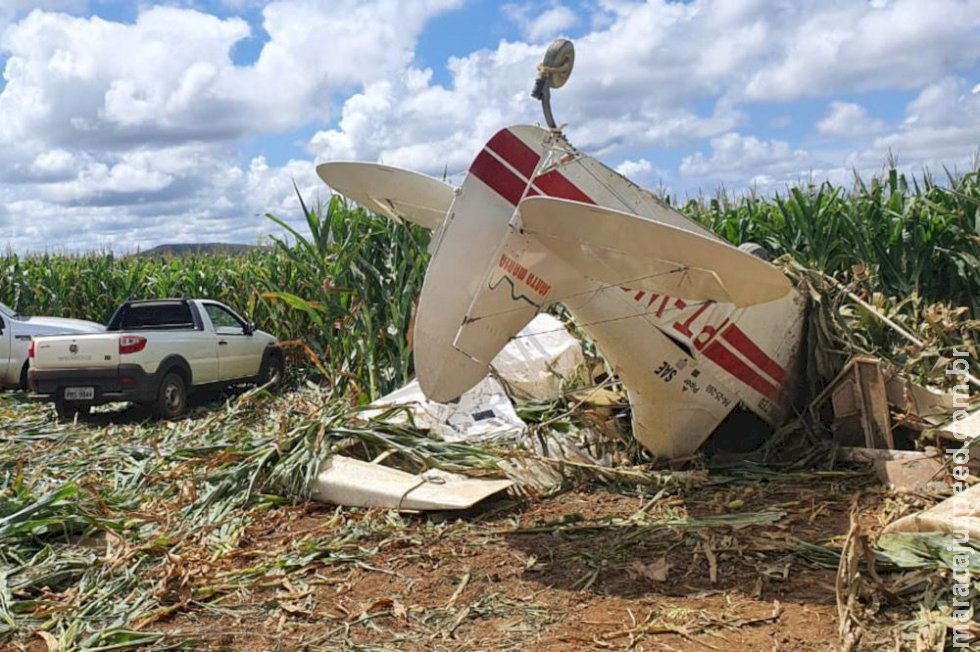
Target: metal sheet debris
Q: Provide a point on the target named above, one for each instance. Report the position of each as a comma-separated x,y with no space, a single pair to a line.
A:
959,513
354,483
859,401
540,359
911,471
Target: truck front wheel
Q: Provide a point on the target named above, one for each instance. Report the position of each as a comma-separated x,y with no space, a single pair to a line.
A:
273,370
171,397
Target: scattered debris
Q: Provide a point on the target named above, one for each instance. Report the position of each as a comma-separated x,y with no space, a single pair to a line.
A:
912,471
347,481
959,513
483,413
860,405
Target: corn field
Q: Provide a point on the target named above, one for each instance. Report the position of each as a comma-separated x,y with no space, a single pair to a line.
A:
346,287
136,535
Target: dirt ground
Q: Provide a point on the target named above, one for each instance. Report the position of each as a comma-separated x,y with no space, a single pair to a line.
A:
589,569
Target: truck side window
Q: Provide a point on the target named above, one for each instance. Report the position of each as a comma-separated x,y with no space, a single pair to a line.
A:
225,323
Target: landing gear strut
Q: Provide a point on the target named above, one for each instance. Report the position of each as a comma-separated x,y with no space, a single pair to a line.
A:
553,71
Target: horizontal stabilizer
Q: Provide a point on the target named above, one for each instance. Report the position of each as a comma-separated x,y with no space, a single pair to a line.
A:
394,192
622,249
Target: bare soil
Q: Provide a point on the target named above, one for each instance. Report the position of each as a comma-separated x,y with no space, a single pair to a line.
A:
561,573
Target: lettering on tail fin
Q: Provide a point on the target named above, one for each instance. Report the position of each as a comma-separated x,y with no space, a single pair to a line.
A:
510,266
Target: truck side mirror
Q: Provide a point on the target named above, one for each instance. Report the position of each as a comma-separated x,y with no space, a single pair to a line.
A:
250,328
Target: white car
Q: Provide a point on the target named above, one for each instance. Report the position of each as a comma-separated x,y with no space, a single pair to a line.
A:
16,332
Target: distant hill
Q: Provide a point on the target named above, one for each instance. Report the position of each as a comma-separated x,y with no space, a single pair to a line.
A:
197,249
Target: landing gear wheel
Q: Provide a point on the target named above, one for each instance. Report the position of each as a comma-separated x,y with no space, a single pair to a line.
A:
558,62
553,71
272,371
756,250
171,398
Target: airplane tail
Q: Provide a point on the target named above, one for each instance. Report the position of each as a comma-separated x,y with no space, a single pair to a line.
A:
535,223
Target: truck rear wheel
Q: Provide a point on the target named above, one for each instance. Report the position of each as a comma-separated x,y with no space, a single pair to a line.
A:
171,397
66,410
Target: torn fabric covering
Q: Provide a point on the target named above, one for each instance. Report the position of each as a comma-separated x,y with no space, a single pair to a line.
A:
539,359
533,366
482,413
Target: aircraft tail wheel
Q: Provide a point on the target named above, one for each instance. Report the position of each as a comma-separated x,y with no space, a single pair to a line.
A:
558,62
553,71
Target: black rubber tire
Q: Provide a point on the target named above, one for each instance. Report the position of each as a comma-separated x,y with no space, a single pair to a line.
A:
171,397
756,250
23,377
66,410
272,370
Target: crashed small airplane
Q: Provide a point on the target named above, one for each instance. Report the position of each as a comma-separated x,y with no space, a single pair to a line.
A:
694,327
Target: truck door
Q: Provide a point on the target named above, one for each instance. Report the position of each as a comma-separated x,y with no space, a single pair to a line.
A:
237,357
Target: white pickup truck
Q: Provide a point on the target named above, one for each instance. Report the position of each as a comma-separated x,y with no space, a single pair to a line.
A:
153,353
16,332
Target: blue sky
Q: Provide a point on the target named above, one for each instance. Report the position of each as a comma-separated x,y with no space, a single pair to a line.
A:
129,124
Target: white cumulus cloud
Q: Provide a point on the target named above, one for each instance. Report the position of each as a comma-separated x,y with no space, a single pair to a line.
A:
849,120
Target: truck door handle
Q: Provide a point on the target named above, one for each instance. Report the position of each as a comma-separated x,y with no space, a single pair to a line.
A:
222,342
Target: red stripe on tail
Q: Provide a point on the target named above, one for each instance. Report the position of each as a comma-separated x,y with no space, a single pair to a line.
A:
554,184
738,339
730,363
513,150
500,179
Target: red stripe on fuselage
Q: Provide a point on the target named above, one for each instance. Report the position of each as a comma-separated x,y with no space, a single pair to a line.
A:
741,342
501,180
728,361
513,150
554,184
517,154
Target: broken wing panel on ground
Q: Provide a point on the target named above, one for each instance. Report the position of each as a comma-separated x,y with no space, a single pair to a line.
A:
393,192
621,249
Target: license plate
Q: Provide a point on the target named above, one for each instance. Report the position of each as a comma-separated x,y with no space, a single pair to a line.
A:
79,393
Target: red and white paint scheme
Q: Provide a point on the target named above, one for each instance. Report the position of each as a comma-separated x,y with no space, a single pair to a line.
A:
692,325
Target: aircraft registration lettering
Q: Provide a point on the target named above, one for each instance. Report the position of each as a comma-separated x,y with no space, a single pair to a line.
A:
721,342
718,395
522,274
690,326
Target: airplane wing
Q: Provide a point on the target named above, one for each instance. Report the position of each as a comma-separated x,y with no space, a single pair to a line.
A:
394,192
621,249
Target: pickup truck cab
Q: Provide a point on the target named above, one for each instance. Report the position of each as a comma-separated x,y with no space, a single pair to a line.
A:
154,353
16,332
